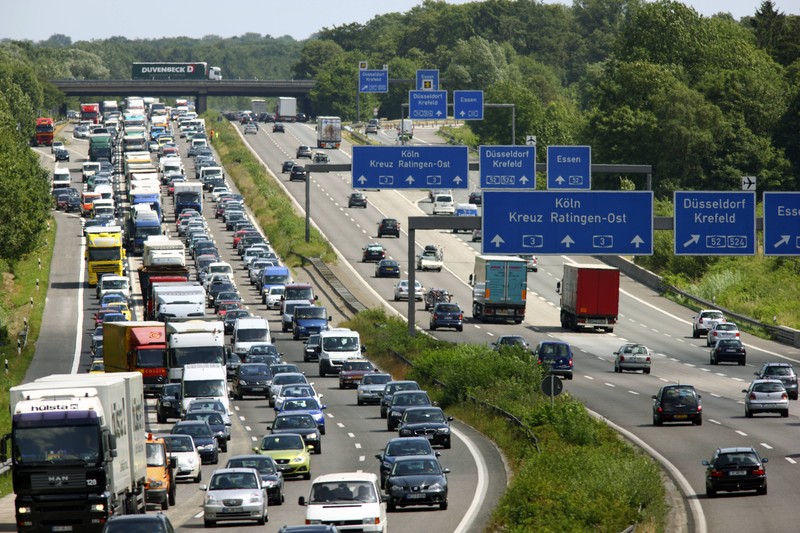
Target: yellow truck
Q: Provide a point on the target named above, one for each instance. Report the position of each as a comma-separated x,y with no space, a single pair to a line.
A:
104,252
159,488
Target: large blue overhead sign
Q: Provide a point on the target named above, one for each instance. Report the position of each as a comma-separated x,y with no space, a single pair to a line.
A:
782,223
410,167
568,222
508,167
373,81
715,223
569,167
427,105
428,80
468,105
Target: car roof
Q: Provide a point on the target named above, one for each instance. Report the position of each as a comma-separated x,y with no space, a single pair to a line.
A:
737,450
346,476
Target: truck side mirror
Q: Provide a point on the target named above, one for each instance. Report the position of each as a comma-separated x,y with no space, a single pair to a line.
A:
363,348
558,287
471,279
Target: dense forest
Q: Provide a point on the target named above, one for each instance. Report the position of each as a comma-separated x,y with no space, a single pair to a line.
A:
704,100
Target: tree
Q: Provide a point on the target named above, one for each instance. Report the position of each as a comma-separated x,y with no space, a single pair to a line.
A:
314,56
477,64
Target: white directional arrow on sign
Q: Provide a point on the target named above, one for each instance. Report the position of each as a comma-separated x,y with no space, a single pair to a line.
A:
637,241
560,180
567,240
410,180
497,240
362,179
523,180
694,240
438,113
784,240
364,88
457,180
462,113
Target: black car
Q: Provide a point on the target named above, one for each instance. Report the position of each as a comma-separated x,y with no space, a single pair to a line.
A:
389,226
217,424
387,268
372,252
62,154
301,424
403,447
728,350
287,166
168,404
428,422
475,197
151,522
303,151
357,199
251,379
271,476
735,469
403,400
416,481
217,287
278,127
298,173
203,436
677,403
310,346
393,387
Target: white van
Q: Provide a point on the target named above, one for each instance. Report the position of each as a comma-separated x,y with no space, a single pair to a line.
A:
248,331
204,380
443,204
101,208
357,501
61,178
405,128
336,346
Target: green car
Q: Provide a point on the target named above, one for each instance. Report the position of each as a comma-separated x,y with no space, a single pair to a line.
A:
289,451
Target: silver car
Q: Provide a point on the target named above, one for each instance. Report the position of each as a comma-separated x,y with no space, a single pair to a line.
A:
401,290
721,330
370,389
234,494
632,357
766,396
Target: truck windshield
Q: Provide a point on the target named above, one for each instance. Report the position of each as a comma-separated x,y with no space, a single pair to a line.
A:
298,293
105,254
155,454
115,284
309,312
252,335
187,197
178,357
150,359
339,344
277,279
44,128
143,233
56,444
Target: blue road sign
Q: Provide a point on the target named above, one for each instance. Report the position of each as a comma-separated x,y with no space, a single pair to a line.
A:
427,105
781,223
508,167
468,105
373,81
715,223
568,222
428,80
569,167
410,167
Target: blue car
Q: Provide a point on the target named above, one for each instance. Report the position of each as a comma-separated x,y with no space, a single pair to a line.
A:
306,405
308,320
557,356
447,315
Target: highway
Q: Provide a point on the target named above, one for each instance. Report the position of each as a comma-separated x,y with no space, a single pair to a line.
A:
623,399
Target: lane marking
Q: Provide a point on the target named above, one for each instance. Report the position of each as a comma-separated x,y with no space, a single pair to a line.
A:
740,432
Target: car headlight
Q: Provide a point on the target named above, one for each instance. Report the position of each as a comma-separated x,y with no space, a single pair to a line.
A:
395,414
191,461
211,499
255,497
242,382
405,433
443,431
436,487
311,436
270,483
395,488
299,459
206,447
166,403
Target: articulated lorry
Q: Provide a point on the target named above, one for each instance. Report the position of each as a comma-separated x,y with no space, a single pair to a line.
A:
91,112
589,297
101,147
286,109
142,223
499,288
104,250
178,300
329,132
175,71
45,130
77,451
154,272
194,341
137,347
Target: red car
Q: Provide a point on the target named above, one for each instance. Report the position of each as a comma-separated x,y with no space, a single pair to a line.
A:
352,372
227,305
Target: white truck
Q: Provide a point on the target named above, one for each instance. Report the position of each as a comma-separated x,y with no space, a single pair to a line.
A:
329,132
431,258
179,301
336,346
161,250
259,107
188,195
194,341
78,450
286,109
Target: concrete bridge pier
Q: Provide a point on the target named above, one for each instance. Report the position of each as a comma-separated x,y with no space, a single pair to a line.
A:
201,103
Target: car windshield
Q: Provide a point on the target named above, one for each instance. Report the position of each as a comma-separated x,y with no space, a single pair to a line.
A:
358,365
426,415
403,447
779,371
729,343
233,480
284,379
254,370
736,459
447,308
376,379
179,443
300,404
554,350
213,419
712,315
263,349
410,399
310,312
679,396
294,422
297,391
340,344
195,430
206,406
262,464
418,467
359,491
282,442
726,327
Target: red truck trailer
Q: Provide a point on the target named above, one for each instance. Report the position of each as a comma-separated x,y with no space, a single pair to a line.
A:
589,297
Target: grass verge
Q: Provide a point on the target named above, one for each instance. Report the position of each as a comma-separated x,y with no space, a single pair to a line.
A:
577,475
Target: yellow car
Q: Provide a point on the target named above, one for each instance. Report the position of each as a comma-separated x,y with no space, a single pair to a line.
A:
120,307
290,452
98,367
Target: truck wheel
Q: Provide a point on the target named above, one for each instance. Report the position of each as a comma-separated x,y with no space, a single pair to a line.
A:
165,505
321,371
609,330
476,311
172,490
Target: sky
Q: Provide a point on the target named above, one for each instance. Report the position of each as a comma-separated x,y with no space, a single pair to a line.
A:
99,19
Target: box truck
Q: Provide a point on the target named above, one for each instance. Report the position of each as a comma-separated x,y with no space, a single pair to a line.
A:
194,341
137,347
589,297
499,288
77,450
286,109
329,132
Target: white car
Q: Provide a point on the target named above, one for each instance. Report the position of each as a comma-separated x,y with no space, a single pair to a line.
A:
235,494
182,448
299,390
56,145
273,297
401,290
218,190
286,378
721,330
702,321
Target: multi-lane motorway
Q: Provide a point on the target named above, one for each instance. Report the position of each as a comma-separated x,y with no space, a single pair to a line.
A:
478,475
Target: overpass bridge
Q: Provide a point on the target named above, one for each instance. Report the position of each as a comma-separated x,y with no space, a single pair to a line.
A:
200,90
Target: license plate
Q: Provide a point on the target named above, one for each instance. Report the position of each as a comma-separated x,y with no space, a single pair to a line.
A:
737,473
257,389
62,528
596,321
232,509
416,496
429,437
681,416
503,312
